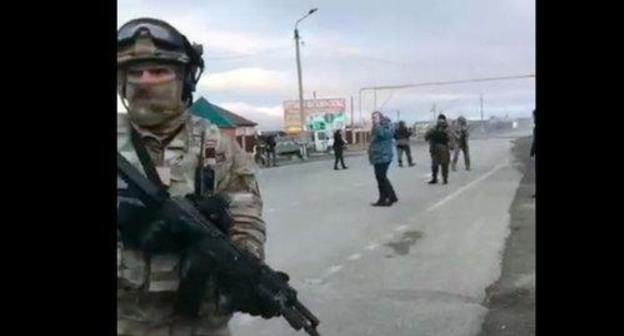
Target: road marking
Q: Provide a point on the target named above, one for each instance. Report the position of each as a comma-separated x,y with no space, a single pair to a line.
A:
354,256
388,235
372,246
401,228
466,187
313,281
334,269
271,209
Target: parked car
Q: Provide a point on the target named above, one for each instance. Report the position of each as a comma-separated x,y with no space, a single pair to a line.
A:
285,145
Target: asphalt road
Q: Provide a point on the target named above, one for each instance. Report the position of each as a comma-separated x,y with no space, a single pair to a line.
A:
420,267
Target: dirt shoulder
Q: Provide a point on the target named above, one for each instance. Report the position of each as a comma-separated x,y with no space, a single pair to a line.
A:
511,299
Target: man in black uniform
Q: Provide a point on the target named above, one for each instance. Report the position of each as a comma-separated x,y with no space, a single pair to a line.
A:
402,136
339,145
270,150
438,139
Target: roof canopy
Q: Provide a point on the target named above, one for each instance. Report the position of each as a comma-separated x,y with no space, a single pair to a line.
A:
219,116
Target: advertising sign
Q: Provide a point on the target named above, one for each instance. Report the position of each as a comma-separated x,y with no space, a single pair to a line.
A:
326,114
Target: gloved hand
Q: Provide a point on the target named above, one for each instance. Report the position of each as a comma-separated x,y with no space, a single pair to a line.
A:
243,296
141,228
215,208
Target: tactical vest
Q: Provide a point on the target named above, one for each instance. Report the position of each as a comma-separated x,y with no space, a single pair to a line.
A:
177,171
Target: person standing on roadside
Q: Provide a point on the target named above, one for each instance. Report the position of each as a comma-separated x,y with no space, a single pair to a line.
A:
438,139
380,156
339,145
402,136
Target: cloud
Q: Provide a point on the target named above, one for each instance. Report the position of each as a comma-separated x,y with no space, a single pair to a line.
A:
255,80
235,43
250,57
268,117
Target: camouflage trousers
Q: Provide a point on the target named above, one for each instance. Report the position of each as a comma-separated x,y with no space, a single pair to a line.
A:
150,314
464,148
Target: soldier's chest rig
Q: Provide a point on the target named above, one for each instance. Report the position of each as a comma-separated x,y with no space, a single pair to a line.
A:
177,166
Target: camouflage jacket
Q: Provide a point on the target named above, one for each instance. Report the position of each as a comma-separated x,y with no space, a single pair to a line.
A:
234,177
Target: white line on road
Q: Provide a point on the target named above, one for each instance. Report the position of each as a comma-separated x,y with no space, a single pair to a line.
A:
401,228
313,281
334,269
466,187
372,246
388,235
354,256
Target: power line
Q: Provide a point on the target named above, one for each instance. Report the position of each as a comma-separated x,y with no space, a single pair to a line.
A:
474,80
260,53
404,86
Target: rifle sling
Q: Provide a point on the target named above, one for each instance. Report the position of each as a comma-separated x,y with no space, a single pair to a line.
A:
146,159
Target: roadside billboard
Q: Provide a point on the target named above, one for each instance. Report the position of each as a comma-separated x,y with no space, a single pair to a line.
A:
326,114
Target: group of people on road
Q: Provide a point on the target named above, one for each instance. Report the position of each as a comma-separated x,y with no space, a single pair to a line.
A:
191,160
264,151
442,140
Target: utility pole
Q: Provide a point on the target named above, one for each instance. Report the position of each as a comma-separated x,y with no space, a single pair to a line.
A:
375,100
360,103
301,110
352,129
482,120
398,115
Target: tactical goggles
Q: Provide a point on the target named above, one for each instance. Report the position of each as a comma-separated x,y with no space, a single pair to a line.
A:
162,35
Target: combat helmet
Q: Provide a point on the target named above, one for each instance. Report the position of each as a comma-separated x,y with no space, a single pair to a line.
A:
462,121
148,39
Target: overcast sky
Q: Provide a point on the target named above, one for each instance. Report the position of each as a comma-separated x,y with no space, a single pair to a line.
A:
249,52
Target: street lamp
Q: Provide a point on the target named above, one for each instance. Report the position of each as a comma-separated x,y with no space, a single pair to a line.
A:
302,116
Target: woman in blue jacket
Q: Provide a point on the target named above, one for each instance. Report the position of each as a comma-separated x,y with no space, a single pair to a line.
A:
380,156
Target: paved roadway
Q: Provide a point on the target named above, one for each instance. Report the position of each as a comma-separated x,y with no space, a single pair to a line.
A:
420,267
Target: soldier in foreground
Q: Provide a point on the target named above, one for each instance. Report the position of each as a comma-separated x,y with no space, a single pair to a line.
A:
157,72
460,140
438,139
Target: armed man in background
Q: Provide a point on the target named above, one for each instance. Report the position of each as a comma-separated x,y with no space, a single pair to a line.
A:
438,138
157,72
460,142
270,150
402,136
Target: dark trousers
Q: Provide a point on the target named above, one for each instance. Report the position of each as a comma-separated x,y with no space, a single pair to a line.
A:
408,153
386,191
339,157
440,156
269,154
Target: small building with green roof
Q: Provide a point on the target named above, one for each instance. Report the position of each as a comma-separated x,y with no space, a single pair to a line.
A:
230,123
